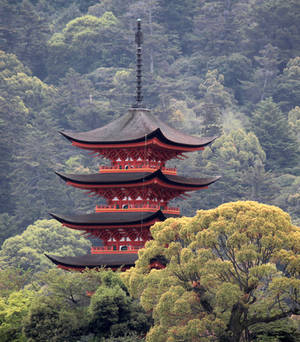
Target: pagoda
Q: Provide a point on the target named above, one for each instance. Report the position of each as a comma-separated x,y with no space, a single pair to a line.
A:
137,185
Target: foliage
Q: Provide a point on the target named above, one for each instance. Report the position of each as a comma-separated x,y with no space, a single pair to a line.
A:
12,312
239,159
13,279
288,89
275,135
215,100
283,330
85,43
207,67
289,196
294,121
55,305
227,269
85,306
79,103
24,33
272,17
44,236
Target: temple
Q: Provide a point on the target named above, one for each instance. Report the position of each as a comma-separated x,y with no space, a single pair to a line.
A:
137,185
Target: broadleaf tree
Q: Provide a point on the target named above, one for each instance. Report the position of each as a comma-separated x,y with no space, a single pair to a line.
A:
227,269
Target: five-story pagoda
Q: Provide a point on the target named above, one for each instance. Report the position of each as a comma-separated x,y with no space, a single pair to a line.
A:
137,185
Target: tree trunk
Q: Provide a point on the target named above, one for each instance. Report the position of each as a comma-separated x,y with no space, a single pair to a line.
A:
235,329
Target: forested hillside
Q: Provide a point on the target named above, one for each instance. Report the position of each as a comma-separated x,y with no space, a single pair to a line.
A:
227,68
210,68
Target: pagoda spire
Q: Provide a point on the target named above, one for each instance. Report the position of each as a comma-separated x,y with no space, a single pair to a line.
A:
137,185
139,42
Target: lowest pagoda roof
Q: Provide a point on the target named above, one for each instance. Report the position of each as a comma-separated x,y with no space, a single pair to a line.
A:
135,178
113,260
111,219
138,125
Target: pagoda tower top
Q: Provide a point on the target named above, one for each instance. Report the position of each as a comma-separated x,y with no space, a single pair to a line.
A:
137,185
136,126
139,42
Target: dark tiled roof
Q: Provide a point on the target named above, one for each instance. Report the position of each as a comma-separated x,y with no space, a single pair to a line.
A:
114,218
135,177
95,260
134,127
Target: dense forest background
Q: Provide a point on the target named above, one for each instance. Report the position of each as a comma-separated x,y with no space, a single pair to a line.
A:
226,68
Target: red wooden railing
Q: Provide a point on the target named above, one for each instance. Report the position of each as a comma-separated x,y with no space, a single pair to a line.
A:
140,167
137,208
113,250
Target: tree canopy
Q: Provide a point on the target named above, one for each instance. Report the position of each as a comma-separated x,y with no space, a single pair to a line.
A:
44,236
227,269
209,68
226,68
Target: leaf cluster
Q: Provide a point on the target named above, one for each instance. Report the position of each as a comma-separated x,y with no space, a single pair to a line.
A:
228,269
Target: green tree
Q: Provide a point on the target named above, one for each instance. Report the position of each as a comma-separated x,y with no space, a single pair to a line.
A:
59,310
275,136
8,227
79,103
25,128
263,82
285,330
294,121
288,197
177,19
274,22
83,306
13,279
218,26
240,161
288,87
114,313
227,269
44,236
215,100
85,43
13,117
236,69
12,312
24,33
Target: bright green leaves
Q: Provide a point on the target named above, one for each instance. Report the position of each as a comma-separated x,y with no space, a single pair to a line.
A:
12,312
45,236
227,295
66,306
112,312
106,306
85,43
227,269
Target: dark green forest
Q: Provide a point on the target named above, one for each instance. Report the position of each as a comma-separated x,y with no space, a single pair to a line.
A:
228,68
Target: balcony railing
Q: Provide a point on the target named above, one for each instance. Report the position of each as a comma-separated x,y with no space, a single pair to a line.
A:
141,168
114,249
137,208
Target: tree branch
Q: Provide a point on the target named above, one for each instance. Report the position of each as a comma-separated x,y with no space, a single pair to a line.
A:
256,320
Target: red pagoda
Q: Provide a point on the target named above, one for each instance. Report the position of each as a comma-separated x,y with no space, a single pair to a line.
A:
137,184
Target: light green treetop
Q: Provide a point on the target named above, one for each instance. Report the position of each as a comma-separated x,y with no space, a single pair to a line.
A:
226,269
44,236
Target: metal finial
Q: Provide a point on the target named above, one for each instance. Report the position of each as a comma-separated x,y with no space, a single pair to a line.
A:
139,42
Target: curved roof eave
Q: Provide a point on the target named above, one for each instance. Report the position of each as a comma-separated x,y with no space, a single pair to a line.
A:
155,134
132,178
94,260
136,126
111,218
